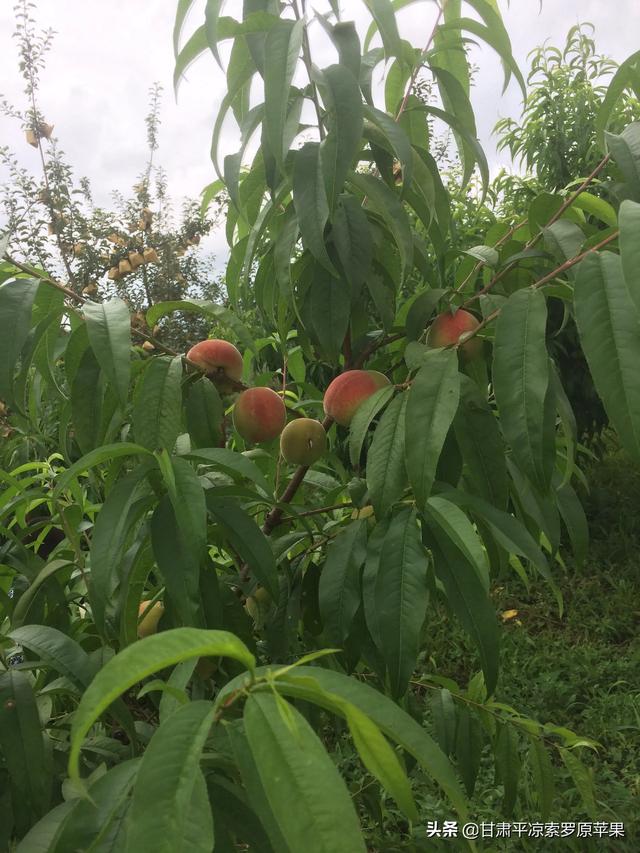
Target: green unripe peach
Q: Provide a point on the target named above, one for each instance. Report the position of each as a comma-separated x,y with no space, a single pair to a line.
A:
303,441
348,392
259,415
149,625
447,329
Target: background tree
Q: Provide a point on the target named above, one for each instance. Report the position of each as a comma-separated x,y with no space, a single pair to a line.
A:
142,248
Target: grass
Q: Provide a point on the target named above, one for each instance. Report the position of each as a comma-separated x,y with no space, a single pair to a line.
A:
581,671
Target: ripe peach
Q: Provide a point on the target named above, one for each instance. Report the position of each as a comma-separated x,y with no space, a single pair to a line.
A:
349,390
220,360
447,329
149,625
303,441
259,415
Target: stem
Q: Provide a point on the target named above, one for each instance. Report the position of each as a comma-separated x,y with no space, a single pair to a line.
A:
82,300
546,279
308,62
418,68
312,512
533,240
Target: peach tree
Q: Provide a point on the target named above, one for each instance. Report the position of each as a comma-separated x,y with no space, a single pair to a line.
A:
215,564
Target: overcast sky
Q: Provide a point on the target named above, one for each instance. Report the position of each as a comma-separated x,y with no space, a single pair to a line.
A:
106,56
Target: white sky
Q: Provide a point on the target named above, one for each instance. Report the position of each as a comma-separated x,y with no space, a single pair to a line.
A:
106,56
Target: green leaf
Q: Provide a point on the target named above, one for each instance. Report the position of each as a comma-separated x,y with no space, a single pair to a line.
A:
508,765
21,610
165,783
345,37
181,14
583,780
248,540
310,201
521,383
542,771
421,311
25,751
195,46
57,650
121,511
345,121
395,598
468,599
454,524
625,149
107,453
282,47
575,521
157,408
385,19
87,395
187,497
480,442
339,590
387,204
380,759
449,48
351,234
207,309
95,823
204,412
385,713
234,464
361,422
109,330
485,254
43,836
327,308
468,747
598,207
609,327
629,240
397,138
495,35
140,660
563,239
178,564
432,404
386,470
176,686
16,302
211,18
508,531
199,834
627,76
286,748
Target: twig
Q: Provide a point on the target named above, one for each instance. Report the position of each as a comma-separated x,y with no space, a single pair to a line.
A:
534,240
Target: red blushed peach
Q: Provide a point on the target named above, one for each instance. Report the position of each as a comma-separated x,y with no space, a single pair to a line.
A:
348,391
259,415
219,359
447,329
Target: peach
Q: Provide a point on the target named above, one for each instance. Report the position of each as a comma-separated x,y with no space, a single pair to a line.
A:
447,329
220,360
348,391
259,415
303,441
149,625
